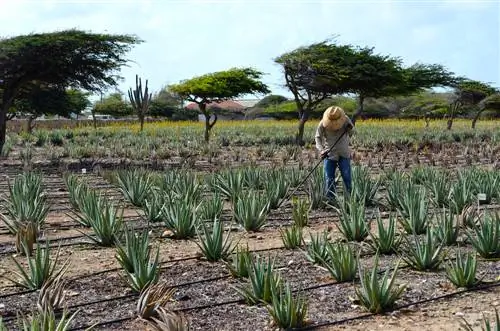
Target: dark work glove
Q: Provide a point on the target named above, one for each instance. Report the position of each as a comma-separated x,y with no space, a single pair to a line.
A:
324,154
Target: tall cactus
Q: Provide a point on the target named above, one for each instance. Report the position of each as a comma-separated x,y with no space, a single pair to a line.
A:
140,101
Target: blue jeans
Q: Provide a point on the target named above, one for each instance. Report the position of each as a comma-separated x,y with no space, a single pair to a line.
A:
344,165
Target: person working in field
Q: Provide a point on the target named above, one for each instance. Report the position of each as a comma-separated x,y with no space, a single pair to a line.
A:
332,127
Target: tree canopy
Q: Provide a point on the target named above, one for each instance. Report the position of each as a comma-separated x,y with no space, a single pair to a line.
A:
68,58
217,87
114,104
321,70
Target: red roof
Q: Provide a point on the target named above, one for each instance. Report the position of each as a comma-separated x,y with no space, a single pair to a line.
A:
226,105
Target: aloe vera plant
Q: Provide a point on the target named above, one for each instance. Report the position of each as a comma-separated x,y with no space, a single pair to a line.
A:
300,211
377,295
135,248
240,262
52,294
486,325
263,279
317,250
353,224
439,185
135,185
287,312
26,203
169,321
107,224
462,271
292,237
46,321
364,187
251,211
386,241
461,194
211,208
485,237
276,188
341,262
414,210
212,244
77,189
181,219
153,206
230,184
152,298
447,229
40,269
423,254
316,189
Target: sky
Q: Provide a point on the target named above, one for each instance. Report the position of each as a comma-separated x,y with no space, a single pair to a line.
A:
187,38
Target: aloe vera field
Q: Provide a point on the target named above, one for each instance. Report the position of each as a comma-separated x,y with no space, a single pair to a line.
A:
113,228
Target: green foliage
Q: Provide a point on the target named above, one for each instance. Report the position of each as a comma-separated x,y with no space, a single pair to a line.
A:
386,241
181,218
251,211
221,85
36,99
317,250
241,262
485,237
487,324
447,228
340,262
27,203
135,184
114,105
287,312
40,269
413,208
423,254
46,321
135,258
263,280
364,187
353,224
212,244
292,237
300,211
270,101
105,221
378,296
462,272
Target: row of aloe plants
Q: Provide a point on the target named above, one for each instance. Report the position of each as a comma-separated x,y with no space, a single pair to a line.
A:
25,209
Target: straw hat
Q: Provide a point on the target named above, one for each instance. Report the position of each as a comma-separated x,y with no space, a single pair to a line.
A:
333,118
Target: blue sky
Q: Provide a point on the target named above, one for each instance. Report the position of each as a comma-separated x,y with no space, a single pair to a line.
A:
188,38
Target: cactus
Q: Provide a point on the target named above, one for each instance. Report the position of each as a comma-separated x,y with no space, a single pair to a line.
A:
140,101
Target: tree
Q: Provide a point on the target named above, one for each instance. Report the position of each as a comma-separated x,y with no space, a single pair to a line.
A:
140,100
217,87
270,100
36,99
313,73
114,105
469,93
165,103
69,58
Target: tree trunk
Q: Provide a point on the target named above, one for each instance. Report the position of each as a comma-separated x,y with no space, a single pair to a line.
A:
30,124
449,123
360,109
299,138
476,117
3,127
141,119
